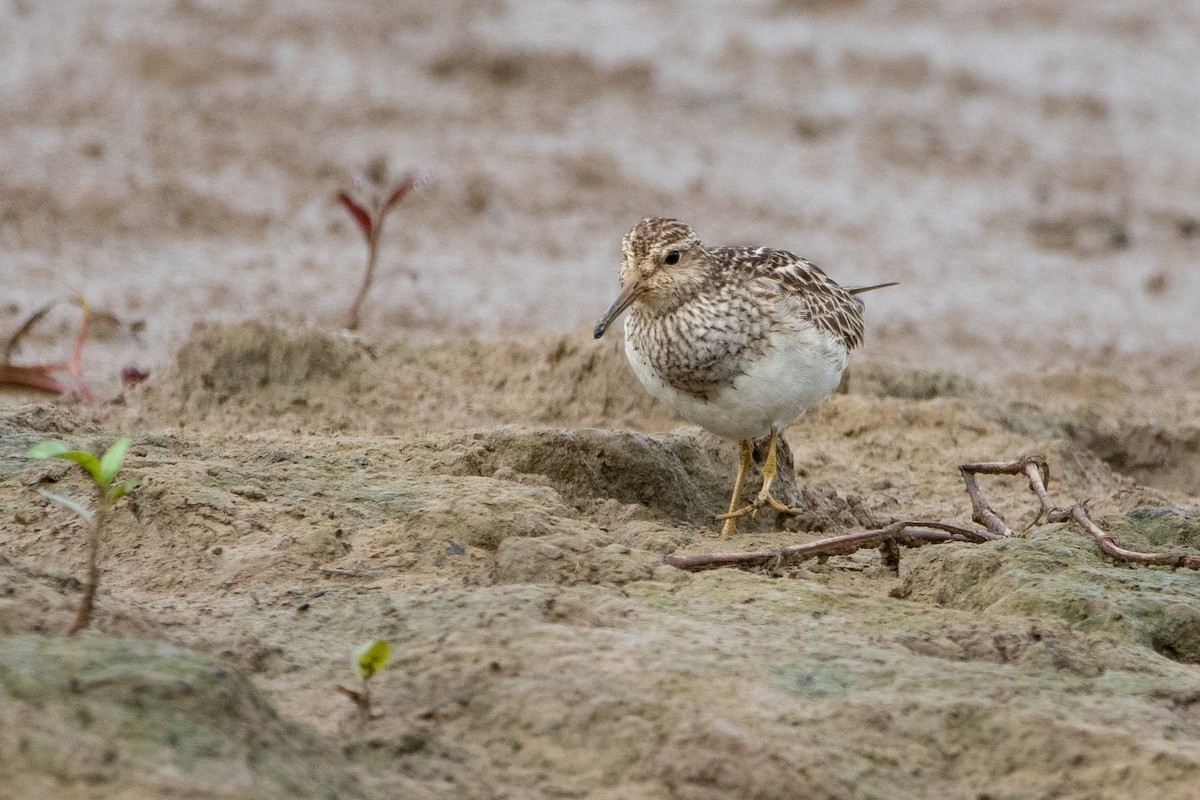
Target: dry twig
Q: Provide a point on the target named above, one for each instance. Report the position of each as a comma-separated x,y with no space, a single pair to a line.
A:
1036,469
916,533
367,572
910,533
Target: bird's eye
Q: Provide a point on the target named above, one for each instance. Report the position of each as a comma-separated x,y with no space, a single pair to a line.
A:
672,257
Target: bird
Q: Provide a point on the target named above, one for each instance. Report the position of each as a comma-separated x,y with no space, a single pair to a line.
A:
738,340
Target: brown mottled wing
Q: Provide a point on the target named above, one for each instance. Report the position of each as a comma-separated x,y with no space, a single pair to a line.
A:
801,288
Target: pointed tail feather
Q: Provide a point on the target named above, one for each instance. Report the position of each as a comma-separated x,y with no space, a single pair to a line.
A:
861,289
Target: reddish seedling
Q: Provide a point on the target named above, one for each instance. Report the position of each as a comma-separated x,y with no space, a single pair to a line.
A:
369,203
42,376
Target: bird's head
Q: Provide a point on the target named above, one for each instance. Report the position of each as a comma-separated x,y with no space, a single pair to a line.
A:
663,259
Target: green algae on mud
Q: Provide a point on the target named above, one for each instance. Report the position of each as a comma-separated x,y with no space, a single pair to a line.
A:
1058,573
121,715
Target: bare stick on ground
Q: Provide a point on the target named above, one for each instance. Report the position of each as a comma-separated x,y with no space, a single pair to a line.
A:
916,533
908,533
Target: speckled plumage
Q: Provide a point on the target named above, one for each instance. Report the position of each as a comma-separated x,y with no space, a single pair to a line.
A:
710,337
738,340
701,325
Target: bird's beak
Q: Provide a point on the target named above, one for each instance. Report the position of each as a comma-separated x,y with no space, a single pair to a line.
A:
624,299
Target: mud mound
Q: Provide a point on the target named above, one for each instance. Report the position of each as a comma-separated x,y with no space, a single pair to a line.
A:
911,384
1158,455
1156,444
719,671
133,718
219,363
566,559
679,475
1056,572
1155,526
34,600
541,647
253,376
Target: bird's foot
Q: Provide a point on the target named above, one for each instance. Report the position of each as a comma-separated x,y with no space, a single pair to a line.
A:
764,499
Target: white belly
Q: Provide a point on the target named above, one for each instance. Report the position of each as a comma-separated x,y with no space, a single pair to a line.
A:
797,371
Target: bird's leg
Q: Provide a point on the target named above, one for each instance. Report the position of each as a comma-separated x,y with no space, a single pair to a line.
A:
770,469
730,525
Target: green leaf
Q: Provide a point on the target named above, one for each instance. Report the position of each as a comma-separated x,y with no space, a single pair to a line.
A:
370,658
68,502
113,459
47,449
120,490
56,449
85,460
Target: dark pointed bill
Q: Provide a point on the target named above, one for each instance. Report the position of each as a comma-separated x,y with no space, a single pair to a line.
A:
627,296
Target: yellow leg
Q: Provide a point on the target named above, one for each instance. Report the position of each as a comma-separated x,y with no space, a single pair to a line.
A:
730,525
770,470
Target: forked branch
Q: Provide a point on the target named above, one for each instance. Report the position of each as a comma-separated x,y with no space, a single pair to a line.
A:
1038,472
917,533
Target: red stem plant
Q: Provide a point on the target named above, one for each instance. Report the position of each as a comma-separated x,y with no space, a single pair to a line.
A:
41,376
369,204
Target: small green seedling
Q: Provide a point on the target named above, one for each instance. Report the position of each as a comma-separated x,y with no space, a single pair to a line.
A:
369,658
374,195
103,472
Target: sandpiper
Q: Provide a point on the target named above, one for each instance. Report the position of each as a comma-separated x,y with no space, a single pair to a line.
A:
739,340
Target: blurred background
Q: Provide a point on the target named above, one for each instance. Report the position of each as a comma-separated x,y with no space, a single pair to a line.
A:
1029,171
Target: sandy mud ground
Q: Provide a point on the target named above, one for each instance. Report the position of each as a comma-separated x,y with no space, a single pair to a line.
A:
473,478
